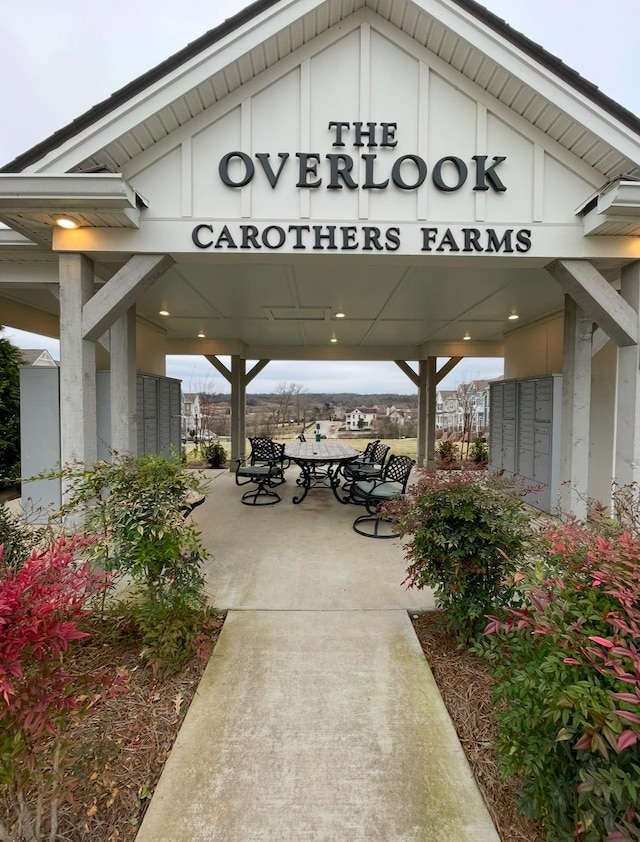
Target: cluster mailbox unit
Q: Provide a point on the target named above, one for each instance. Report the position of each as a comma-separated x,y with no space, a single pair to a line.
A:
524,435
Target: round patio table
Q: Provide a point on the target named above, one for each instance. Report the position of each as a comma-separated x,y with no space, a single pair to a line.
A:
320,463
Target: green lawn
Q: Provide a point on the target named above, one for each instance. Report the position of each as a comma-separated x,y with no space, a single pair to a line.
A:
401,447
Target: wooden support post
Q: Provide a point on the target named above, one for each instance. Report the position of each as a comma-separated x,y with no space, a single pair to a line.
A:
627,452
576,408
238,409
432,382
124,416
422,431
78,422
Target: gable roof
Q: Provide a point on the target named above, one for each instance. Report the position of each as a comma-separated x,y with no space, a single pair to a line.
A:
403,12
37,356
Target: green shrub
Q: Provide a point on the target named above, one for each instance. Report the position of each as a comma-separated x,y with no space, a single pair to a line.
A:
10,362
134,507
479,452
568,668
468,530
172,632
215,454
447,454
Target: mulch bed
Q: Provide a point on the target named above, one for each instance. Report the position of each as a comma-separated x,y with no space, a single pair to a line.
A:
7,494
465,683
121,746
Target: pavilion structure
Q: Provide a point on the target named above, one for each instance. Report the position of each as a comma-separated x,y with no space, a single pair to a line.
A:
342,180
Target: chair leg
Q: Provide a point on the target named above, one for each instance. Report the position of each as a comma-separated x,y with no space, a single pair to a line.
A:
262,496
369,526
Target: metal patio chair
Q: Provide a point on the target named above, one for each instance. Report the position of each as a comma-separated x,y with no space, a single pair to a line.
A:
369,466
264,469
373,492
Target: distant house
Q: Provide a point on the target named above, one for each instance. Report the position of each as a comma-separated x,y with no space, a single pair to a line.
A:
470,400
37,356
400,417
356,419
191,412
447,410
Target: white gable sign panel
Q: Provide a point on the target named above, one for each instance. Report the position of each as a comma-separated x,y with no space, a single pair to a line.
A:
362,142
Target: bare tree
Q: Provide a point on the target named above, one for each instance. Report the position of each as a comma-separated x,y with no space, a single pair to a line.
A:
286,393
466,404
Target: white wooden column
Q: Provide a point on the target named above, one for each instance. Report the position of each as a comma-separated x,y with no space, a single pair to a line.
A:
124,415
627,450
432,383
576,408
238,378
78,425
422,431
238,408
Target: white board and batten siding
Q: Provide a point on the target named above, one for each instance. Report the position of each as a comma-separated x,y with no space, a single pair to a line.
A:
289,111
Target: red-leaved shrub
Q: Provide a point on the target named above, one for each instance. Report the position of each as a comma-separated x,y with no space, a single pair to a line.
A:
41,604
570,688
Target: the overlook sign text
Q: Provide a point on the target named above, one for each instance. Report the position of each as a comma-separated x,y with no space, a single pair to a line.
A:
337,170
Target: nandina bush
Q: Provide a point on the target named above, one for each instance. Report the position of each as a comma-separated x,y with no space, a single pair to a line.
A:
466,532
133,506
568,670
41,606
134,509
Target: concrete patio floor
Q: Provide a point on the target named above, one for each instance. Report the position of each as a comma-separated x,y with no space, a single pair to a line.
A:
317,717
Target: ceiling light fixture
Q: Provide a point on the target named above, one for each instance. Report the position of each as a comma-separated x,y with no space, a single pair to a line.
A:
66,222
466,336
201,335
334,339
339,315
513,316
163,312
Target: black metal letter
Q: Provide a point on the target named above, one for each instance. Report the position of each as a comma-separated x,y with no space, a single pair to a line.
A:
223,169
396,175
307,168
281,237
369,183
496,244
195,236
338,126
483,173
263,157
389,134
341,166
460,167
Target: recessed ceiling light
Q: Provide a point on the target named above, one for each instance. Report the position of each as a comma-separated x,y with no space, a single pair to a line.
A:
513,316
163,312
201,336
339,315
334,340
66,222
466,336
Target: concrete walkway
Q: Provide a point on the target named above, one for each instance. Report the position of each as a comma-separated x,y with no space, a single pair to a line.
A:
317,717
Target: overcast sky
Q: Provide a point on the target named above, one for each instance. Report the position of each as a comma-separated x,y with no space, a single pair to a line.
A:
58,60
